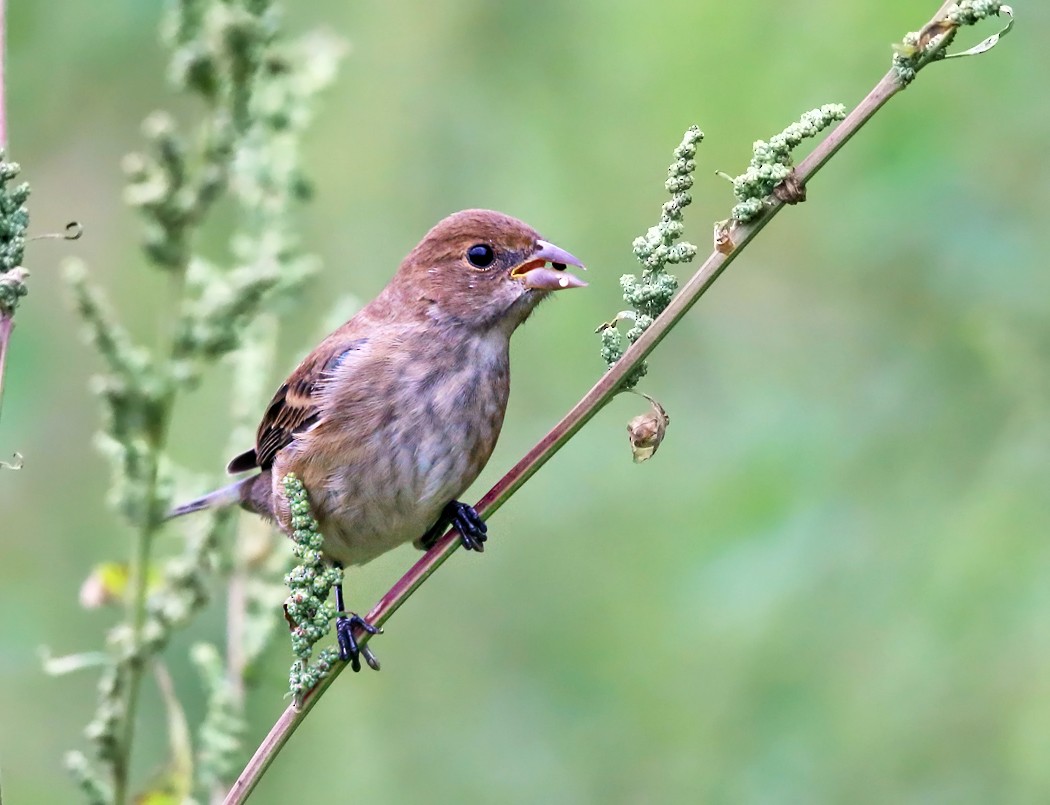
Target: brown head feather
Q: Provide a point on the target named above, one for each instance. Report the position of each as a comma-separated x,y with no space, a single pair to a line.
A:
438,281
437,284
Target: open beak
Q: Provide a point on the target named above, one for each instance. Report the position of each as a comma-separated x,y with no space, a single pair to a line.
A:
545,270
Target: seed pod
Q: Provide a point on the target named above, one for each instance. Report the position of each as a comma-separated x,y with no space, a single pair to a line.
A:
646,431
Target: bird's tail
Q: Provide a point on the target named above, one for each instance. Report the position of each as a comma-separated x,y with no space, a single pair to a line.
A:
235,493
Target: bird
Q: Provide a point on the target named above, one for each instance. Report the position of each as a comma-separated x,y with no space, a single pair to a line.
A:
395,413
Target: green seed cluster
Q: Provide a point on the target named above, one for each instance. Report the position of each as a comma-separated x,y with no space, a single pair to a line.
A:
970,12
185,589
221,733
651,293
90,784
772,161
310,584
920,48
906,58
14,218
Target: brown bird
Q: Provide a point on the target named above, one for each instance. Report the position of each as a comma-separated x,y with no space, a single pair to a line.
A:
393,415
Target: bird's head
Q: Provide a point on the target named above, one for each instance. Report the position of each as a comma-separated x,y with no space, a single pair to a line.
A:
484,269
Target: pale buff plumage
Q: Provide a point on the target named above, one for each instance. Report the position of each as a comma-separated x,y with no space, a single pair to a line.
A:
394,414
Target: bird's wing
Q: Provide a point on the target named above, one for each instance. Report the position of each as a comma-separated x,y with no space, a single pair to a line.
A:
295,406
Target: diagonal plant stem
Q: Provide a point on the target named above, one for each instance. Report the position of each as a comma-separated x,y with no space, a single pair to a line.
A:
737,237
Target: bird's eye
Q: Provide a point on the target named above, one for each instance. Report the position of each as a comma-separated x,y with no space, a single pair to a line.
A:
481,255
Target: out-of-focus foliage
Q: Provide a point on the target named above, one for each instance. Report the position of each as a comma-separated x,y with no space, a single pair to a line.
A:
831,584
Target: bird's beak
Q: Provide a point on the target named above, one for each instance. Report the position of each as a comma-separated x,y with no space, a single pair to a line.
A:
535,273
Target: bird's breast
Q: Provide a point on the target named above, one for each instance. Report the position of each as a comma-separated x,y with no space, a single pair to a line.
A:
400,440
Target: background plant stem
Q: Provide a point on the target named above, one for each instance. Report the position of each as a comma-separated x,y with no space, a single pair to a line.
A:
6,322
3,54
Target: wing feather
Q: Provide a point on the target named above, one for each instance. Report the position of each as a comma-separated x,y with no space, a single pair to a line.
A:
295,407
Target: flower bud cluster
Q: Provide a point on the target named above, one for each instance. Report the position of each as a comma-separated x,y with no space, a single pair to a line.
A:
920,48
221,734
310,585
772,161
651,293
14,218
970,12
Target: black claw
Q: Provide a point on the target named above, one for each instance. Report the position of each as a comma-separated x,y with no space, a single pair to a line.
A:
370,658
472,529
349,651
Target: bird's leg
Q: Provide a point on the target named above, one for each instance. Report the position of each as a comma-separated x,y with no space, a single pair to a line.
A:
472,529
349,651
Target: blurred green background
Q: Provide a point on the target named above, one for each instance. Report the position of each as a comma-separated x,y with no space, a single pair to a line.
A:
832,583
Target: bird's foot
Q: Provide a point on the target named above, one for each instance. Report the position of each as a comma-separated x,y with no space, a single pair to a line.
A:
349,651
472,529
